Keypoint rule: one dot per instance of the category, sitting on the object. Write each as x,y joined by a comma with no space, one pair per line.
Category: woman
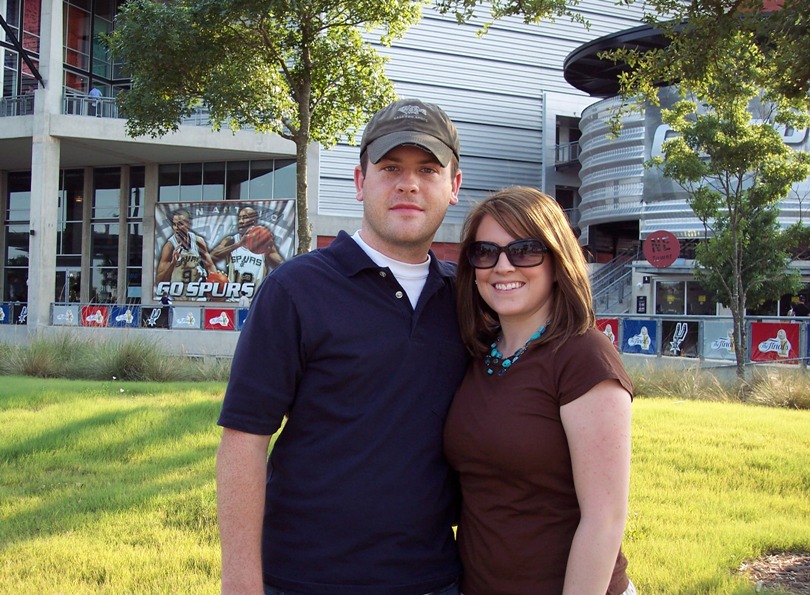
539,429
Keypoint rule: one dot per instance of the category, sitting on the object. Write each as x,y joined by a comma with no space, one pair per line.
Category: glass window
238,176
136,193
9,73
134,244
104,244
16,285
103,285
19,197
191,182
102,62
12,15
31,19
169,183
16,245
669,297
133,285
213,181
261,180
699,302
107,193
77,37
284,183
77,84
69,239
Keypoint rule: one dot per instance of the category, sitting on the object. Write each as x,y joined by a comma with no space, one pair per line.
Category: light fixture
79,198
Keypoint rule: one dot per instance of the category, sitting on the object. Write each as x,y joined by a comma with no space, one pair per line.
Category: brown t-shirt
505,437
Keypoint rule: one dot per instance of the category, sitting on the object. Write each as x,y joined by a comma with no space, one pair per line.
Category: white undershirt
411,277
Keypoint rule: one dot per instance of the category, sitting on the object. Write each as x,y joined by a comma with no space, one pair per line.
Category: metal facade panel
493,87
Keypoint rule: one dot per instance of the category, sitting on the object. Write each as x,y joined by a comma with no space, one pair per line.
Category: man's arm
241,477
225,247
166,263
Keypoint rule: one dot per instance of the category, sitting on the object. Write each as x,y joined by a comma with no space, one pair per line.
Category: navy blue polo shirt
360,499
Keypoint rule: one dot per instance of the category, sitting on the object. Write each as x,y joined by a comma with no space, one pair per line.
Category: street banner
219,319
214,251
67,315
775,342
125,316
5,314
94,315
679,338
19,313
718,340
155,316
610,328
639,336
186,317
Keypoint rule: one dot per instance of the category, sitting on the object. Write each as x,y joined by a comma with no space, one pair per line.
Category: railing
19,105
82,105
770,339
216,316
567,152
107,107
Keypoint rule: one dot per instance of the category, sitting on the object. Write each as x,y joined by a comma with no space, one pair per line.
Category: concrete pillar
45,171
151,189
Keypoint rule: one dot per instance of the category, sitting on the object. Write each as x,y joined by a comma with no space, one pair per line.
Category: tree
729,157
297,68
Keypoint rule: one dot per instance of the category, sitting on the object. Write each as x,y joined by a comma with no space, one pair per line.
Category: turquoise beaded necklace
496,358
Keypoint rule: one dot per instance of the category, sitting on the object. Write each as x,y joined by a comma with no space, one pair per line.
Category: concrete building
85,208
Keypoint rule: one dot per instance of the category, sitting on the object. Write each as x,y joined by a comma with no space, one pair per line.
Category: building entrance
68,285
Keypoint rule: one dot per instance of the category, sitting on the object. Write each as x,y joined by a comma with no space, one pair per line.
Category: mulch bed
790,571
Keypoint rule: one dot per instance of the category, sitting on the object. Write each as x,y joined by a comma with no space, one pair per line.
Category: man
184,257
800,308
244,265
357,345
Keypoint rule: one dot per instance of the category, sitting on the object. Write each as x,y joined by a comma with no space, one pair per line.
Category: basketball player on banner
184,258
249,253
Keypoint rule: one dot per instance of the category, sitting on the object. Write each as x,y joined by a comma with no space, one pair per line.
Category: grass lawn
104,491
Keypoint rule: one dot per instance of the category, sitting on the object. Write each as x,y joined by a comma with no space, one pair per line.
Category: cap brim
380,146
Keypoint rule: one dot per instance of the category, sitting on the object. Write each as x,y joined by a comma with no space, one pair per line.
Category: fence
772,340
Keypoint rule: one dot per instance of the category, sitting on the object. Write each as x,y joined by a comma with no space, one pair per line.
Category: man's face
180,226
246,219
405,197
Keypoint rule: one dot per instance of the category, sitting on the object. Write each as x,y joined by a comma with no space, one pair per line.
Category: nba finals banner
214,251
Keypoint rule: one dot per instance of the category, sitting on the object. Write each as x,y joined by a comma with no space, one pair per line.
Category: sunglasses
521,253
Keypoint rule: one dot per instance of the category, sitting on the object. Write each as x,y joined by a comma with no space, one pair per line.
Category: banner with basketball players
215,251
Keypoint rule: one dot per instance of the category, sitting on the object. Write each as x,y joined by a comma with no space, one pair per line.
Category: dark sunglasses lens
483,254
526,253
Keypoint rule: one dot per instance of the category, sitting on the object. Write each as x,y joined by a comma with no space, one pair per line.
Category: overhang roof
584,69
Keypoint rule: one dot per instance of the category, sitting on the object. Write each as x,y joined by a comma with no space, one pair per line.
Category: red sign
609,327
775,342
94,315
661,248
219,319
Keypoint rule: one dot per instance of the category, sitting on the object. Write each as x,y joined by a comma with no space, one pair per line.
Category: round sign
661,248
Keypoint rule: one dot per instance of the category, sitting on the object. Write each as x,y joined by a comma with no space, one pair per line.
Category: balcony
566,156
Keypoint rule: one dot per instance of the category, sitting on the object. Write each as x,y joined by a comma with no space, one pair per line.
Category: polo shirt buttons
399,295
383,274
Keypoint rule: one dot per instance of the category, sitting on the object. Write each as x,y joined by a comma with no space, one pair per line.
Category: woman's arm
597,426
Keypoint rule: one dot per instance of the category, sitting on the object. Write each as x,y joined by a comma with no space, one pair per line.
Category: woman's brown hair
526,213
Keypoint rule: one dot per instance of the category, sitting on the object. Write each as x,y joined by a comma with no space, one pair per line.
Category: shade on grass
103,491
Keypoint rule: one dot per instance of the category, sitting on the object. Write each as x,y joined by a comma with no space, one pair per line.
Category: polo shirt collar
352,259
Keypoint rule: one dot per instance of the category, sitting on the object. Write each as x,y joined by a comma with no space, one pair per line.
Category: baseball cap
411,122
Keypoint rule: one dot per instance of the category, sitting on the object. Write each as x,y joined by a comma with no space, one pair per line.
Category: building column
45,170
150,199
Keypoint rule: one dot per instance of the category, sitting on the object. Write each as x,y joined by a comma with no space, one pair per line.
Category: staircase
612,284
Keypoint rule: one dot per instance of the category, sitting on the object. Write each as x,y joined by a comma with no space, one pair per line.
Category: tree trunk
304,227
